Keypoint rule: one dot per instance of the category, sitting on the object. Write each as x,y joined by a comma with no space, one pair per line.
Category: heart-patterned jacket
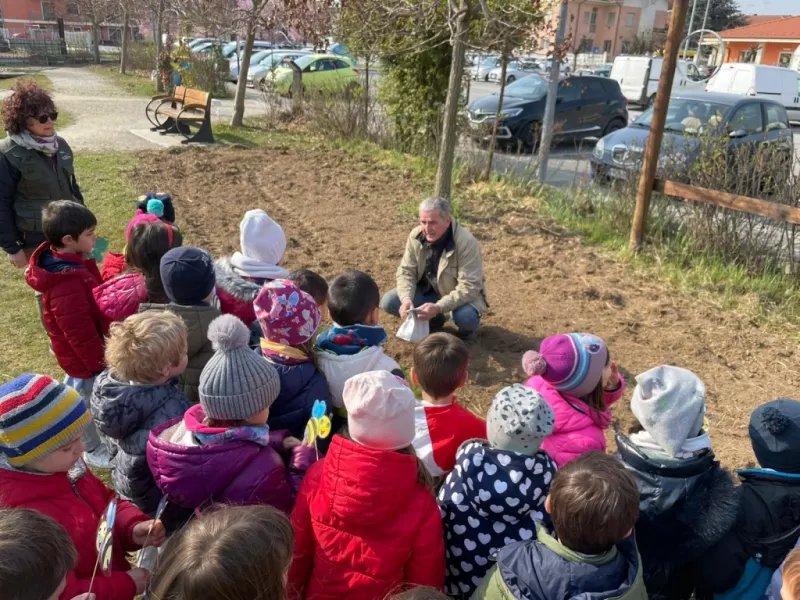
491,499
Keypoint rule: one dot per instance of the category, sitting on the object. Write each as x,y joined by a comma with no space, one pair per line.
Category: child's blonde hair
791,574
233,553
143,345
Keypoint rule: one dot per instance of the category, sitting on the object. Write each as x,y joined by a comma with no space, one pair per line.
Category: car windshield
687,116
532,87
304,61
228,49
270,60
488,62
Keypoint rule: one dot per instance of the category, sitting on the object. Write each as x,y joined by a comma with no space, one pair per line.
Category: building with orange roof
765,40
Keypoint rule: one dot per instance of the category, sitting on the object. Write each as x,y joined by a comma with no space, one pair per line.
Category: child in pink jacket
576,376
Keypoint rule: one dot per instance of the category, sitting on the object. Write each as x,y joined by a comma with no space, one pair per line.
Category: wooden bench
179,112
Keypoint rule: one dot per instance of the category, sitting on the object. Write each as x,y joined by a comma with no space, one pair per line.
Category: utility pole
700,37
653,148
552,94
691,24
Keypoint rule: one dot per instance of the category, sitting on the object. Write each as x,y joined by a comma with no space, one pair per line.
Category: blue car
747,123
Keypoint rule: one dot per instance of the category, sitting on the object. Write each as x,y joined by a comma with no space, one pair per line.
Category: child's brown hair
232,553
311,283
36,553
148,243
594,503
64,218
597,399
140,347
791,574
440,364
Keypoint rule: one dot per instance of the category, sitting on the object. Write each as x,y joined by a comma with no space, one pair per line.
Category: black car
586,107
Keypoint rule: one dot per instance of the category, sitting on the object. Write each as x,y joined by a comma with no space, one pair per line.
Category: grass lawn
134,83
41,80
111,196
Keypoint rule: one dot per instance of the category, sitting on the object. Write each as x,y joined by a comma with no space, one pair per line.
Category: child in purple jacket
222,450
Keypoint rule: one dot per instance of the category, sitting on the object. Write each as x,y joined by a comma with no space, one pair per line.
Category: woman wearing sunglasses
35,169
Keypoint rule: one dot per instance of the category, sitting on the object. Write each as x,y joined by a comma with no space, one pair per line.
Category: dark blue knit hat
187,275
775,435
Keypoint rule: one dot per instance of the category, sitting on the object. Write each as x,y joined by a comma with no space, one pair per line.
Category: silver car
480,72
516,69
259,74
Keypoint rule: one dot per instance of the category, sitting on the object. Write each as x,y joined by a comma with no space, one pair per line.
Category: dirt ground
341,212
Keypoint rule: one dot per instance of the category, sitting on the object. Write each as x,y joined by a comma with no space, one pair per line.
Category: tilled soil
340,212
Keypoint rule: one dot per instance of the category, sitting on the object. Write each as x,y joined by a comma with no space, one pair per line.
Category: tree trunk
241,87
159,44
297,87
126,21
96,40
497,118
366,95
444,172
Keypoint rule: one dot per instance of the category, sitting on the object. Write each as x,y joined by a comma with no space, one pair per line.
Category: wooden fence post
663,94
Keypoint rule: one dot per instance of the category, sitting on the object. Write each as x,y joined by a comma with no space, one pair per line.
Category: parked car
321,73
516,69
480,72
207,47
745,122
638,77
262,75
586,107
231,50
192,44
761,81
235,64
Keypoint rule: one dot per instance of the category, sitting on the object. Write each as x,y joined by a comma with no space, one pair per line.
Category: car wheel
530,137
613,125
511,79
486,79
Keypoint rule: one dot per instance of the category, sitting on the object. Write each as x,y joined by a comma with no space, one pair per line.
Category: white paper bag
413,329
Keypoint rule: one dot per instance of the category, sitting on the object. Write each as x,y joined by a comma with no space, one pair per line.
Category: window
586,46
340,64
747,118
48,11
72,8
593,21
569,91
607,46
587,16
785,59
592,89
776,117
545,44
630,19
612,18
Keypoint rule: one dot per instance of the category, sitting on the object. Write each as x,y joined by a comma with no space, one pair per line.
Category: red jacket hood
41,280
367,486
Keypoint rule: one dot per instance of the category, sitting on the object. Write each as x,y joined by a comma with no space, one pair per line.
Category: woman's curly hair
27,101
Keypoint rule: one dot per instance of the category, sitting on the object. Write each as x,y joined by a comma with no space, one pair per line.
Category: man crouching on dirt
441,273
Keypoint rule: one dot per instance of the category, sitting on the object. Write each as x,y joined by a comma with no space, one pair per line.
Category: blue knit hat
775,435
187,275
38,415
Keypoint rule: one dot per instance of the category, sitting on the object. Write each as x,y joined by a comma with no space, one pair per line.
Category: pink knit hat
572,363
380,410
139,218
286,313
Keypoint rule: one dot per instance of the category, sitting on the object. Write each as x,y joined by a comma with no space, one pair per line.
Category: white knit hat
261,238
380,410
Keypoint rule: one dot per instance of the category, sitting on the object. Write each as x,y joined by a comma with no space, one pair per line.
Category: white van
761,81
638,77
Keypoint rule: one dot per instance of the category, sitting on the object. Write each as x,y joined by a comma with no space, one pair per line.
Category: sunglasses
53,116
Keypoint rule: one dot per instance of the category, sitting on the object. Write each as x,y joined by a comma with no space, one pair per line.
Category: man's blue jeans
466,318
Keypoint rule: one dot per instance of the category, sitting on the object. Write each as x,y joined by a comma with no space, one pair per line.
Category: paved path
106,117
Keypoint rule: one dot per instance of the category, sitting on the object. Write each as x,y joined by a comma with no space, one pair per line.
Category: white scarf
688,449
252,267
45,145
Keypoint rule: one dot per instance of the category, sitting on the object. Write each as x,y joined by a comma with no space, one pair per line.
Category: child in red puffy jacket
41,422
365,520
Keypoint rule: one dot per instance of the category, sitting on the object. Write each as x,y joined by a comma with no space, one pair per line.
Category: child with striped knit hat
41,422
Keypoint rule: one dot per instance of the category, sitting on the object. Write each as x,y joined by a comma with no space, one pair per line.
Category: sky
766,7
